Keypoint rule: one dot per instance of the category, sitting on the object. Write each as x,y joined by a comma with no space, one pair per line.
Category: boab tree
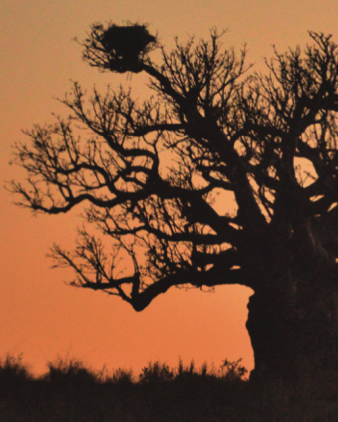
148,174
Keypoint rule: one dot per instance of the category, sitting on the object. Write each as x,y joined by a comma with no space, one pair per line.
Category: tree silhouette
149,174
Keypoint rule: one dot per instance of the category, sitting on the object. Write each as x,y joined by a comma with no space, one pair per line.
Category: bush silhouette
72,371
156,372
14,375
69,391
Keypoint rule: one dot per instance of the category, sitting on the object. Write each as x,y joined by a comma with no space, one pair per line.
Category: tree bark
293,326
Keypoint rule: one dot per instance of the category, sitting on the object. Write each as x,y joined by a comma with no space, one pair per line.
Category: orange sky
39,315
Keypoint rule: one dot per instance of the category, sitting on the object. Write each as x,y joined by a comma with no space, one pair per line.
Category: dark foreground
72,393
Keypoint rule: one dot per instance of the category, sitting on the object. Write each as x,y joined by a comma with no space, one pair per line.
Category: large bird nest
126,46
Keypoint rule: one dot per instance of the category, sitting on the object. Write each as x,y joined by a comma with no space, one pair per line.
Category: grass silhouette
69,391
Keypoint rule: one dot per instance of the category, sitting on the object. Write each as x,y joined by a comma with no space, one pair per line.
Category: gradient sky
40,316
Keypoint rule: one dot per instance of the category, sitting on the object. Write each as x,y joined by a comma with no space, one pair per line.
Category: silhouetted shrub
233,371
13,373
62,371
185,371
156,372
120,377
71,392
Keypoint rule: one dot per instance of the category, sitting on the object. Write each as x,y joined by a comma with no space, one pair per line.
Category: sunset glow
41,316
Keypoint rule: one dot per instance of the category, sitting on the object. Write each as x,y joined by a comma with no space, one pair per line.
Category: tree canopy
148,173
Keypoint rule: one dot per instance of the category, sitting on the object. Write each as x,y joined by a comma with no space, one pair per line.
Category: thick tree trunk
294,332
293,314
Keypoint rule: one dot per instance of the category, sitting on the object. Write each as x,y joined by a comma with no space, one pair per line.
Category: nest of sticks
126,46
